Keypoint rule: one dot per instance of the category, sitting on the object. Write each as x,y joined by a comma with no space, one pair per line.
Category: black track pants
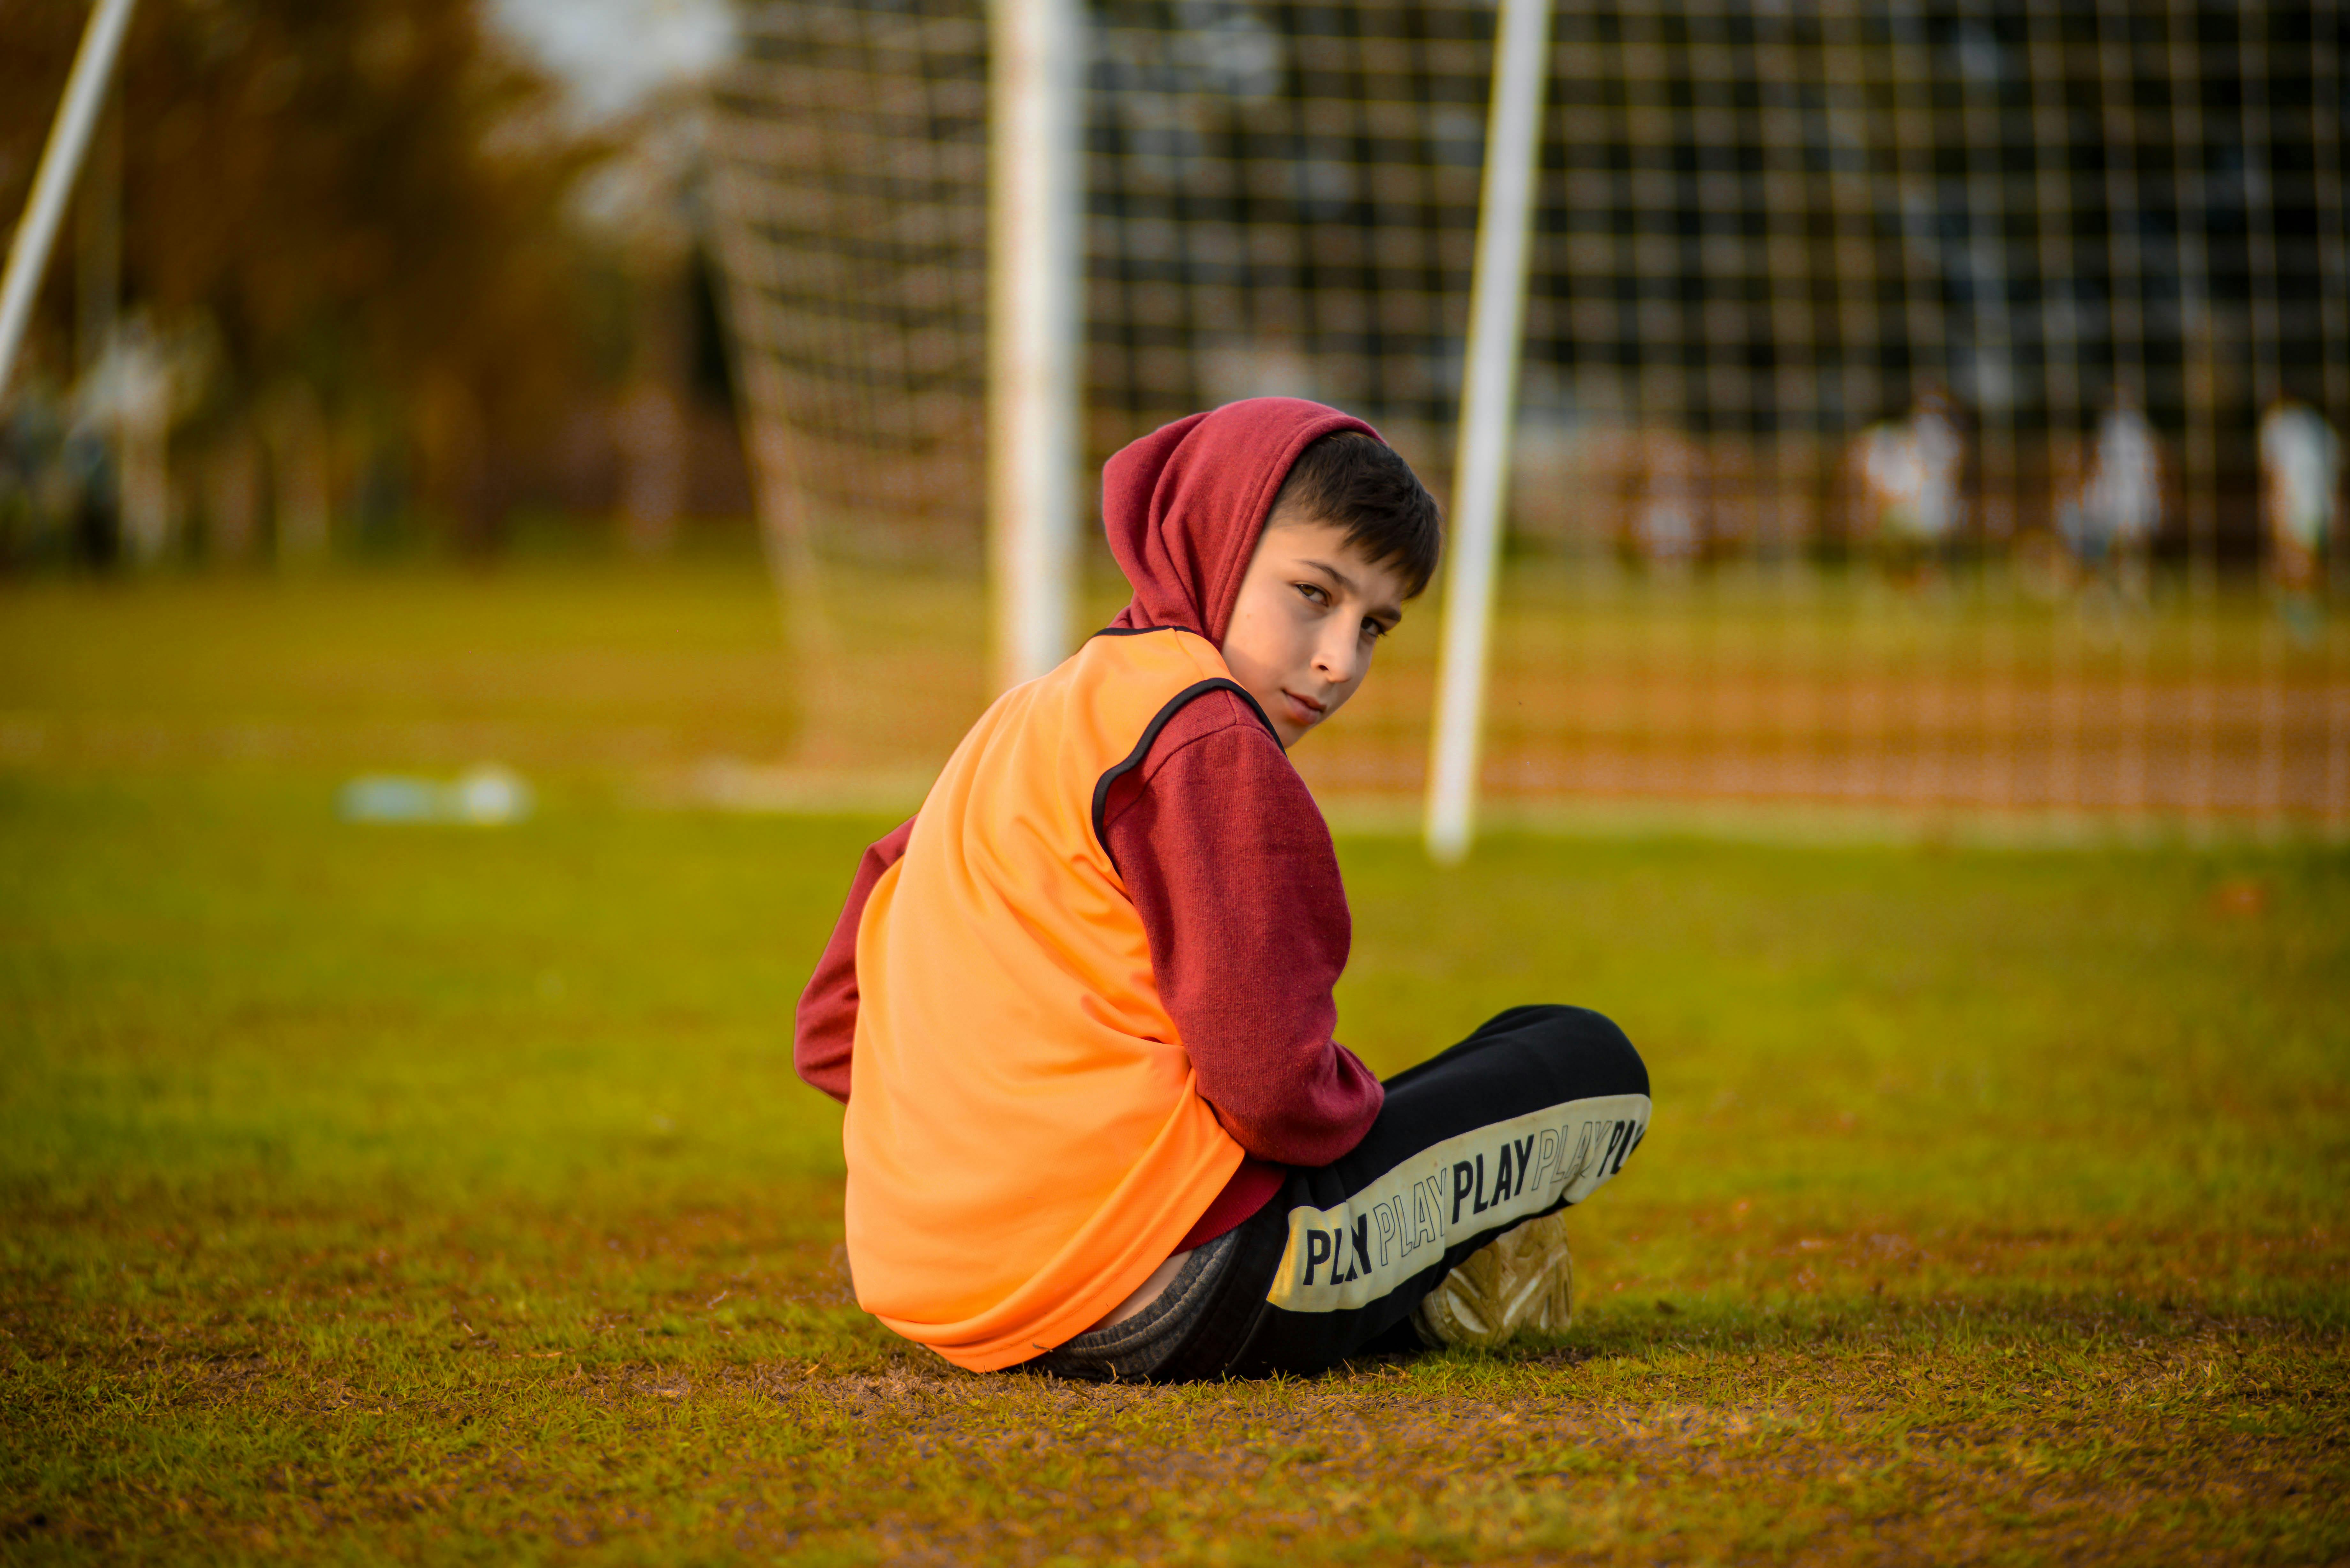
1531,1112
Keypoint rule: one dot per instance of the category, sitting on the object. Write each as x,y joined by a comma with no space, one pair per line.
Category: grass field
377,1193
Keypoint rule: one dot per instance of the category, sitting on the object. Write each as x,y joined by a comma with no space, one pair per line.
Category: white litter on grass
483,796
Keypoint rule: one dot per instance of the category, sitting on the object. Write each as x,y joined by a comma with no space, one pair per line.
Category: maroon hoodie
1223,849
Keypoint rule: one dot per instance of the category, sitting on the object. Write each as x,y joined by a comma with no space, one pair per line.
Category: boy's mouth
1303,709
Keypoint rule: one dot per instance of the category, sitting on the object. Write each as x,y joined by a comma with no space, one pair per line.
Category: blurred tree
357,207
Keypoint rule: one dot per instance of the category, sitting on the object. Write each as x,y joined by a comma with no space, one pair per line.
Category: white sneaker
1523,1279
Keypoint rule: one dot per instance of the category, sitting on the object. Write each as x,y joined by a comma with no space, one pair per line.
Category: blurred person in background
1906,485
1666,528
56,482
2108,520
2301,505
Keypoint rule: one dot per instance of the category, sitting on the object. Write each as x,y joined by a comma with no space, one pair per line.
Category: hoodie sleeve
1230,867
825,1028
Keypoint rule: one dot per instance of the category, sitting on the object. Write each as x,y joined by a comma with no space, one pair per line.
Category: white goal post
28,251
1488,408
1036,311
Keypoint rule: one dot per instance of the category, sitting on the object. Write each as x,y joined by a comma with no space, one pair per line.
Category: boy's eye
1314,592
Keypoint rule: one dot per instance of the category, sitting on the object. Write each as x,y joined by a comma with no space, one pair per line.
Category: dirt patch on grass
2223,1439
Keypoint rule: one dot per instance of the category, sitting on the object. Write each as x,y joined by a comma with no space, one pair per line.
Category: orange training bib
1025,1137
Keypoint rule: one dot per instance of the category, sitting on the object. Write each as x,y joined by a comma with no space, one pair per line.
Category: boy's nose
1334,661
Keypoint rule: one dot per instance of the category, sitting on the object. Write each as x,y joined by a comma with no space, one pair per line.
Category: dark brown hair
1352,482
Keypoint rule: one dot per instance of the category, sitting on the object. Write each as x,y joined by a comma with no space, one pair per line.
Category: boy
1079,1007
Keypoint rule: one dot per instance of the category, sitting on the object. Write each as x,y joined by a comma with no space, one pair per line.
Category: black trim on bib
1150,733
1143,630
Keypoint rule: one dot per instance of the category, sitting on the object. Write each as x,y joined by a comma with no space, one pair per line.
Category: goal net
1924,404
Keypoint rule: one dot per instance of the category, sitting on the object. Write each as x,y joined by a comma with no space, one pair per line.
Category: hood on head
1183,507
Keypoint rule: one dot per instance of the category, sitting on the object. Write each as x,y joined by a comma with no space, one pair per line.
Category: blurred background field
1847,706
1926,411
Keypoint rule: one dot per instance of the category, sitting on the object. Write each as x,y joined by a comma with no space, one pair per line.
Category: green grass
432,1193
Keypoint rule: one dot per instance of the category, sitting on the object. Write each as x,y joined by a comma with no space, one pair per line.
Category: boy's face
1311,609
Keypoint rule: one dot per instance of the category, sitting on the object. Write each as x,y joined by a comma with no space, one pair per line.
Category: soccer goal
1925,408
